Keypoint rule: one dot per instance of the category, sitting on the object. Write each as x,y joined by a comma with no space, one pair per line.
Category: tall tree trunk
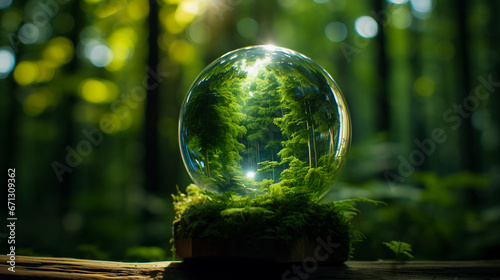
257,156
66,189
332,142
309,148
207,165
313,136
382,95
272,160
309,145
468,145
152,101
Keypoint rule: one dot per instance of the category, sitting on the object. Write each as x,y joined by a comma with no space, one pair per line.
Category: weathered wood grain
234,269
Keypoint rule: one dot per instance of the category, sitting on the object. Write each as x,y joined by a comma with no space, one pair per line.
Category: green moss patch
281,215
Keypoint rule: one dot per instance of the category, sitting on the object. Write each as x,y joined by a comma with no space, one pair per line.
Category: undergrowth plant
399,247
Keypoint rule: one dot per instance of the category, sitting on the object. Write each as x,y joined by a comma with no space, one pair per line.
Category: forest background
91,91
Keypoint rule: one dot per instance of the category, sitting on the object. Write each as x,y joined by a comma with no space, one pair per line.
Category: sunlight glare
250,174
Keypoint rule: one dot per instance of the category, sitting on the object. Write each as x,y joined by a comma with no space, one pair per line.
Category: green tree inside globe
261,117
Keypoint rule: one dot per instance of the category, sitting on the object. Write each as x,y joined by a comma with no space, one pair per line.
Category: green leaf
399,247
348,206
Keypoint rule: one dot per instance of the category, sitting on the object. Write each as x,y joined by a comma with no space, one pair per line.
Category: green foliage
214,118
439,190
182,201
349,208
431,212
41,119
278,121
399,247
145,254
92,252
282,214
315,180
244,211
268,167
261,109
295,174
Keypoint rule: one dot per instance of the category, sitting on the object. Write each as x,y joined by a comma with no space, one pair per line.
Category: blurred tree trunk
492,34
382,96
67,111
468,145
152,100
10,135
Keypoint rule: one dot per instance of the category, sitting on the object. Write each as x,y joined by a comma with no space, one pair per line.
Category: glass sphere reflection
260,116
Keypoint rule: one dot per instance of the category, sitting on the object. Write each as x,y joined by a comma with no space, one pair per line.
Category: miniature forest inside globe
260,116
264,133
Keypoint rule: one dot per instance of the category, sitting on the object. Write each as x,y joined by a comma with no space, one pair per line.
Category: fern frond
399,247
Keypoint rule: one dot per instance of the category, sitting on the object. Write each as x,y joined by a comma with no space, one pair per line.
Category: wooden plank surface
67,268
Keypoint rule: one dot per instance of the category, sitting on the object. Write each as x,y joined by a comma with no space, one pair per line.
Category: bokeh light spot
421,8
5,3
287,3
101,56
7,61
187,11
45,71
424,86
138,9
110,123
182,51
26,73
122,34
35,104
11,19
29,33
98,91
397,2
402,19
121,52
247,27
199,33
121,44
169,22
59,51
366,27
110,8
89,32
98,54
336,31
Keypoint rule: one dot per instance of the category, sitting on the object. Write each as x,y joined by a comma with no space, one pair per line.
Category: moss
280,215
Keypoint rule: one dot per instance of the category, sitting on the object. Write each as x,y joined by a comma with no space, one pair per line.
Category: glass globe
261,116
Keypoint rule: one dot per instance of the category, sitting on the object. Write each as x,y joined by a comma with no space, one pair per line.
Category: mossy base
323,250
282,225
